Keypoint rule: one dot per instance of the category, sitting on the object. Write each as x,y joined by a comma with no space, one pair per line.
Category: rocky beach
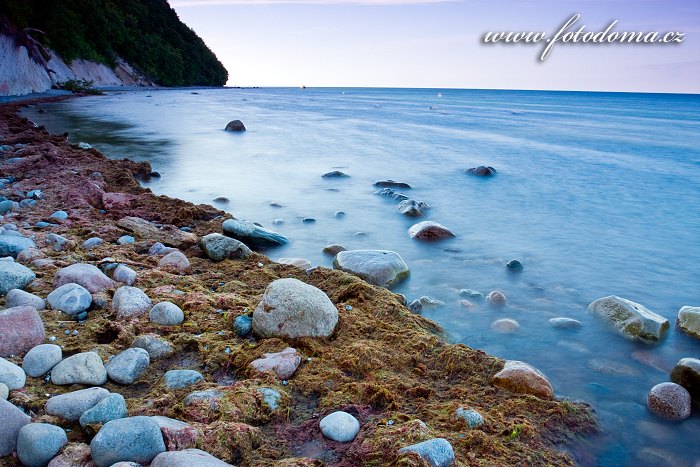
145,329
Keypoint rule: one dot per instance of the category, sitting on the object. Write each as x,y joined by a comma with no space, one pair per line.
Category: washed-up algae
390,368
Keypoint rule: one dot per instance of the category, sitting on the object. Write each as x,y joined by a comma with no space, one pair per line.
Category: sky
439,43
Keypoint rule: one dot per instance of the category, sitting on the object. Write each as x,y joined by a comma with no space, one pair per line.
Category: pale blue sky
434,43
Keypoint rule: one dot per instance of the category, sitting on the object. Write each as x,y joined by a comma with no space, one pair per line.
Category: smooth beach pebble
496,298
112,407
38,443
437,452
166,314
670,401
472,418
4,391
41,359
18,297
11,375
340,426
565,323
126,367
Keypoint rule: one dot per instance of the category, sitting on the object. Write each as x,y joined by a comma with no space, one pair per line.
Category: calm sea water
596,194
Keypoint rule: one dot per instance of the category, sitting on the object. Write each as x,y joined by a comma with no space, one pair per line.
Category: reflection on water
596,194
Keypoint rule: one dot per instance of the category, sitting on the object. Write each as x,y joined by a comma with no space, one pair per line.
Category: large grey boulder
437,452
13,419
379,267
22,329
187,458
290,308
18,297
219,247
126,367
12,245
72,405
38,443
630,319
41,359
71,299
14,276
689,320
130,302
132,439
11,375
82,368
252,235
87,275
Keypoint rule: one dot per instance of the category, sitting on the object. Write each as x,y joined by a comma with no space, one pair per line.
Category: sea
596,194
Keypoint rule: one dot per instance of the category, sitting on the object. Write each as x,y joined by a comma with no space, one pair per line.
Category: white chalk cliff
20,74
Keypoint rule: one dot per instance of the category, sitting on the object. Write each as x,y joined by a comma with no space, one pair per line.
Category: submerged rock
522,378
481,171
565,323
339,426
428,230
496,298
335,174
505,326
391,184
379,267
82,368
412,208
14,276
333,249
283,363
514,265
290,308
437,452
689,320
219,247
22,329
630,319
235,125
253,235
669,401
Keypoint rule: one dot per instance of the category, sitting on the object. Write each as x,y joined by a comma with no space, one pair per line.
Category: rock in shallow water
670,401
481,171
38,443
437,452
391,184
82,368
340,426
630,319
219,247
565,323
252,235
235,125
333,249
283,363
522,378
687,374
14,276
496,298
505,326
429,231
22,329
71,299
134,439
13,419
290,308
41,359
412,208
379,267
689,320
126,367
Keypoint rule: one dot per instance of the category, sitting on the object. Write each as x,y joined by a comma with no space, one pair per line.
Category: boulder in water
235,125
379,267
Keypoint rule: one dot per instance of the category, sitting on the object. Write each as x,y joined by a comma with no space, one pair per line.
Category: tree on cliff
146,33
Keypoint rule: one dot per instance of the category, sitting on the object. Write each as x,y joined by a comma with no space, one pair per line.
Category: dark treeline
146,33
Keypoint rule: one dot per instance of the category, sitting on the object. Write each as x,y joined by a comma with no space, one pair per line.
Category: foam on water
596,194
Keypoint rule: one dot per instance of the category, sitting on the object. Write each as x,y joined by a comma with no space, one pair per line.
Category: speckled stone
670,401
38,443
41,359
437,452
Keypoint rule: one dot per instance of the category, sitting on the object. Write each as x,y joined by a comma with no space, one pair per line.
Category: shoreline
383,363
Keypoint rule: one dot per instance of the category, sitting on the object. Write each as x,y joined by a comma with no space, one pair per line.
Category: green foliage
79,86
146,33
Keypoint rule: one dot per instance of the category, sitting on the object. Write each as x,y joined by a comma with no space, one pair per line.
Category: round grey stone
18,297
124,274
4,391
565,323
379,267
154,345
13,419
127,366
72,405
83,368
41,359
166,314
437,452
472,418
71,299
340,426
38,443
219,247
112,407
14,276
291,308
187,458
130,302
133,439
12,375
178,379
